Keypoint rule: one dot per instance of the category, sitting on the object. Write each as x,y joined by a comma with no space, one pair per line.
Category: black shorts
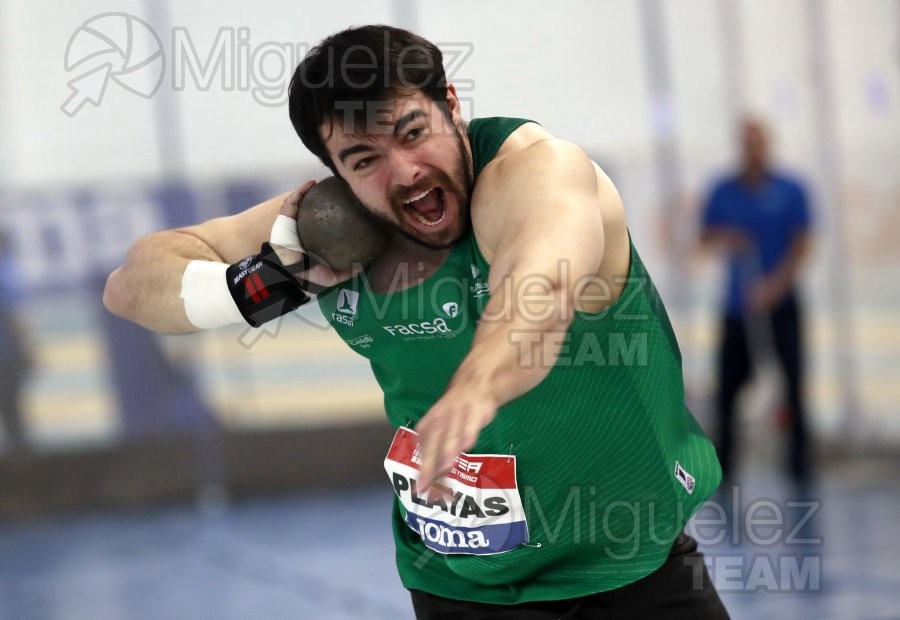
679,589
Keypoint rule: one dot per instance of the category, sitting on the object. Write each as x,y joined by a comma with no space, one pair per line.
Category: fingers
451,426
430,469
442,441
286,255
345,274
318,273
322,274
291,205
428,466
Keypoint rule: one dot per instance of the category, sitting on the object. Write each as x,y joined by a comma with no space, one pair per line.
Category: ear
453,105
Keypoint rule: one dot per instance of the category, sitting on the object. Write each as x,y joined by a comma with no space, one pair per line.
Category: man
509,318
15,354
761,220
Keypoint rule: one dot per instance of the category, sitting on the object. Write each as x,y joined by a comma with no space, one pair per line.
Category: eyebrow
406,119
402,122
353,150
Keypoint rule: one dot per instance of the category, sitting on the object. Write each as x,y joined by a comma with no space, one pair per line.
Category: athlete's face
411,167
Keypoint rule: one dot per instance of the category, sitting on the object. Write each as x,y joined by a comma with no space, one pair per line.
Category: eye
414,134
363,163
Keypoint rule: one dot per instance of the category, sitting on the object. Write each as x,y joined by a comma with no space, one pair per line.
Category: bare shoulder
529,157
533,155
525,136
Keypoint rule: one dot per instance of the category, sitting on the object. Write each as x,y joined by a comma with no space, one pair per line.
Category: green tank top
610,462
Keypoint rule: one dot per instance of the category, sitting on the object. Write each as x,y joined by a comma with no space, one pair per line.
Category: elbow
115,294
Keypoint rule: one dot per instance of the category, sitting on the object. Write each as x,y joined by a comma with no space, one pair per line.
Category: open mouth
428,208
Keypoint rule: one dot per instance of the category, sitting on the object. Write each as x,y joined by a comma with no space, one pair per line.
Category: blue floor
329,556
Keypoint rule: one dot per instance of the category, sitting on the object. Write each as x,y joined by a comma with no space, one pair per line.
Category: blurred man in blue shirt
15,360
761,219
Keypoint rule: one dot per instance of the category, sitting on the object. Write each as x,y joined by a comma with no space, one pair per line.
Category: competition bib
484,514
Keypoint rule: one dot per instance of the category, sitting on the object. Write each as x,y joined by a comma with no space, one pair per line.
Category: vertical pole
829,169
6,94
167,115
667,165
205,436
732,51
405,14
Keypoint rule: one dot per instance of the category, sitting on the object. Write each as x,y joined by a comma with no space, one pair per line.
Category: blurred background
239,471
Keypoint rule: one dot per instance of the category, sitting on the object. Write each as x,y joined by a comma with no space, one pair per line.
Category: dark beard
466,176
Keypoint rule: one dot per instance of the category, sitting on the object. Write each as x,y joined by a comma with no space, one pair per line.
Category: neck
402,248
404,264
753,175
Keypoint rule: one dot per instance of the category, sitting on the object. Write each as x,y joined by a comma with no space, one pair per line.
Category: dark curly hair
351,69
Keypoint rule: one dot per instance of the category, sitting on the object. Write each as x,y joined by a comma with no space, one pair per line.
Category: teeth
419,197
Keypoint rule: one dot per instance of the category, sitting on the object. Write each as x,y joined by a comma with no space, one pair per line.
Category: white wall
577,66
42,145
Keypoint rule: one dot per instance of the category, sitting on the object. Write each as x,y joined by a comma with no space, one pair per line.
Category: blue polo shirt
10,296
770,214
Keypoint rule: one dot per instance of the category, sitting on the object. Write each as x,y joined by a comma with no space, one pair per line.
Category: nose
405,170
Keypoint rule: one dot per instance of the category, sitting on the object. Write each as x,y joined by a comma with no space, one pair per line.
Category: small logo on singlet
347,301
451,309
686,480
246,262
363,342
478,289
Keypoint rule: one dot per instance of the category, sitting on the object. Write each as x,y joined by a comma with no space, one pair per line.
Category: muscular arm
147,288
546,197
552,238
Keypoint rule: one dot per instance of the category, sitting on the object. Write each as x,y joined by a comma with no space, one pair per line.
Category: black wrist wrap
264,288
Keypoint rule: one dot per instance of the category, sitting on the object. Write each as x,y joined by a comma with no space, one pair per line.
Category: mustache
401,194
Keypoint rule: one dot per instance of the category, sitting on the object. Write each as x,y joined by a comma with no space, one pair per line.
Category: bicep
552,222
237,236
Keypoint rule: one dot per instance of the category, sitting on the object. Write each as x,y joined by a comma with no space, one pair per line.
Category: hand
318,273
451,426
291,205
764,295
729,239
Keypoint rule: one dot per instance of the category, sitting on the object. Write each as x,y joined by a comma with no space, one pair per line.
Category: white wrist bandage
285,233
207,300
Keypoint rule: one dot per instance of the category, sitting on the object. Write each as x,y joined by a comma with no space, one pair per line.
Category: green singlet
610,461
